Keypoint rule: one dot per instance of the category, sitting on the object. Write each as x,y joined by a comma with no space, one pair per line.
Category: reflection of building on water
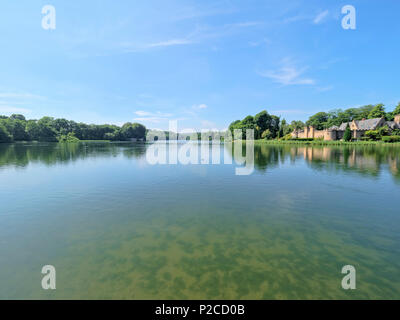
366,160
358,129
394,164
352,158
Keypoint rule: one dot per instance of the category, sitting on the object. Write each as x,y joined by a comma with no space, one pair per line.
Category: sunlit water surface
116,227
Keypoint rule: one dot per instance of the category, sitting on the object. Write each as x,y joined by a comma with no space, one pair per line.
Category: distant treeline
268,126
17,128
323,120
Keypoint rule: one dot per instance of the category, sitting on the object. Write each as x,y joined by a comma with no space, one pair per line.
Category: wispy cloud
10,109
152,117
200,106
264,41
288,75
324,89
300,17
321,17
13,95
289,111
198,35
168,43
10,101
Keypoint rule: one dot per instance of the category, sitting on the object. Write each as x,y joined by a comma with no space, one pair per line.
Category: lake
116,227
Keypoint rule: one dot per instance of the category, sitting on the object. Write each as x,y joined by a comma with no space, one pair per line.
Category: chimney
397,119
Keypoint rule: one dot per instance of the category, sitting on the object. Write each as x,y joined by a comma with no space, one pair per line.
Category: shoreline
329,143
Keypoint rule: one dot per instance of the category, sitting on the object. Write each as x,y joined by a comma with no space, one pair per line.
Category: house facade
358,129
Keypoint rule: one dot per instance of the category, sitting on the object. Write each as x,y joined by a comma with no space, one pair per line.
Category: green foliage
391,139
347,134
4,134
373,135
323,120
70,137
296,125
267,134
287,137
17,117
303,139
133,131
377,112
17,128
318,120
260,124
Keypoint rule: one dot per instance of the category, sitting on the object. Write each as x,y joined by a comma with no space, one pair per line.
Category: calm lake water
116,227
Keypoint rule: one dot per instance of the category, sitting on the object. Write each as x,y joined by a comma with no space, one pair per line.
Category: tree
4,134
363,112
263,120
17,117
32,129
133,131
390,115
17,128
46,131
297,125
378,111
347,134
266,134
318,120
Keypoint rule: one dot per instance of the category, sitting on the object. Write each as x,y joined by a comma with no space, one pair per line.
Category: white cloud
264,41
288,75
324,89
200,107
198,35
152,117
10,109
289,112
321,16
168,43
10,95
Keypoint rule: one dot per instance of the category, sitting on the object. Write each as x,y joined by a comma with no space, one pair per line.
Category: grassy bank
328,143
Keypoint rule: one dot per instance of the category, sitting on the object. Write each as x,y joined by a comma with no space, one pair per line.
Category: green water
115,227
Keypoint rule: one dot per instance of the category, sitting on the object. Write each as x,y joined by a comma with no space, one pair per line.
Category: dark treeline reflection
21,154
364,160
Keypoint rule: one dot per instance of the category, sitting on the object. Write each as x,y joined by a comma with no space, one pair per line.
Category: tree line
17,128
266,126
269,127
324,120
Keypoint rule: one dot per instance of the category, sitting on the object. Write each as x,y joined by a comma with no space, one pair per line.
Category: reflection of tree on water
364,160
21,154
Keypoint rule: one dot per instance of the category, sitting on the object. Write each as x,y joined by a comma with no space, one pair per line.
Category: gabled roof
369,124
392,125
343,126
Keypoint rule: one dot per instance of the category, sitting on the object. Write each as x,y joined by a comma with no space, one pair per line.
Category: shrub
303,139
287,137
373,135
391,139
347,134
70,137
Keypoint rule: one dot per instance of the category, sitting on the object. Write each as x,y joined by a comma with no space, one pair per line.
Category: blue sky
205,63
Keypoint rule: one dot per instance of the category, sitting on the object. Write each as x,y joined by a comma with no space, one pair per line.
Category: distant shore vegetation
266,127
48,129
271,127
